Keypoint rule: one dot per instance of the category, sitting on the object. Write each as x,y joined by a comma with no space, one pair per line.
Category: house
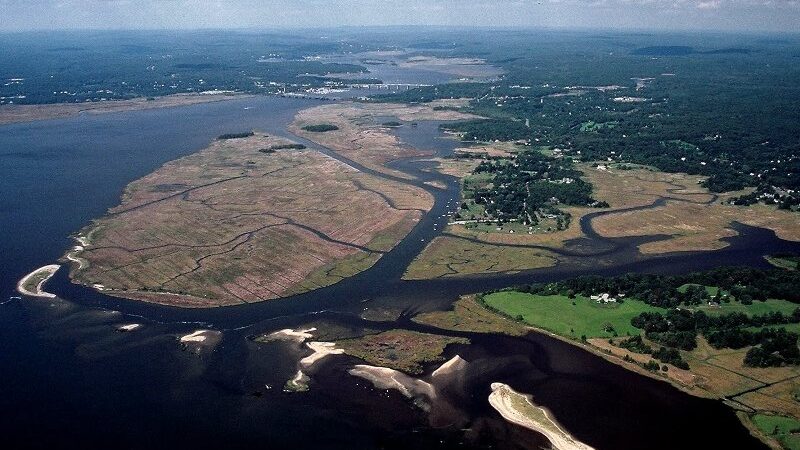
604,298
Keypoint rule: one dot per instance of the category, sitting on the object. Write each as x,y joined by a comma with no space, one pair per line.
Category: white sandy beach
454,364
196,336
517,408
386,378
289,334
321,350
45,272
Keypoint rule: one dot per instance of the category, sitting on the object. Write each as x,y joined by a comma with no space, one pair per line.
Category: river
69,377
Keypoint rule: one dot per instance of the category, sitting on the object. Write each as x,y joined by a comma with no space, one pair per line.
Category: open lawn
785,430
567,317
768,306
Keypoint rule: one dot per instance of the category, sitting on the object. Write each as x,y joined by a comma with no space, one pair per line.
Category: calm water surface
68,377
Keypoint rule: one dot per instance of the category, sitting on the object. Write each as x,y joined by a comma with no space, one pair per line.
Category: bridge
388,86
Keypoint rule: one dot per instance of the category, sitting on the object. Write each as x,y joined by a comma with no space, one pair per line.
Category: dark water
69,377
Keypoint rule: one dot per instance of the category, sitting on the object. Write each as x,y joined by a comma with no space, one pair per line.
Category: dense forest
679,325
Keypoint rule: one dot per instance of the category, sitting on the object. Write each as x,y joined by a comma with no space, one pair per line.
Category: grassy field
757,307
401,350
711,290
785,430
713,373
572,318
788,262
451,256
469,315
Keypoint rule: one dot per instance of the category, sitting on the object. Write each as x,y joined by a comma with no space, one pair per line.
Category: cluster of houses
607,298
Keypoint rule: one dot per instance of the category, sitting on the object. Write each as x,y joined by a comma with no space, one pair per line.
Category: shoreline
320,350
743,417
10,114
509,404
45,272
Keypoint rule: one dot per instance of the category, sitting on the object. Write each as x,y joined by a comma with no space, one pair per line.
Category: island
254,217
32,283
519,409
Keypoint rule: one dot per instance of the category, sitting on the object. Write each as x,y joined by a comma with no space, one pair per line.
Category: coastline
742,415
518,408
42,274
31,113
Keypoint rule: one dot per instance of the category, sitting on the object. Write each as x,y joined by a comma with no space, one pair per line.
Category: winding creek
70,376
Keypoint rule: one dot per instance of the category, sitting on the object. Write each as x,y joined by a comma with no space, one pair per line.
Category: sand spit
517,408
386,378
454,365
31,284
197,336
29,113
297,384
200,340
321,350
289,334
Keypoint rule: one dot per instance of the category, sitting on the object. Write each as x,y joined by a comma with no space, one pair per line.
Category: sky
722,15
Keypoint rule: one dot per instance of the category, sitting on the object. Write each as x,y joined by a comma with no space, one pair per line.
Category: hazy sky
743,15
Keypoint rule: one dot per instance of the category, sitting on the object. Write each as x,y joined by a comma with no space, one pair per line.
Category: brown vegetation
470,316
360,137
692,216
230,224
29,113
451,255
402,350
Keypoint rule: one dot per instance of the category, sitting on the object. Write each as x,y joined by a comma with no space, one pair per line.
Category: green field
757,307
558,314
784,262
782,429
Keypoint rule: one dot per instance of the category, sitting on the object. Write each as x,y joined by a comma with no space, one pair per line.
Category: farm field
243,221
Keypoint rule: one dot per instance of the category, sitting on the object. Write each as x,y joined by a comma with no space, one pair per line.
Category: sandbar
517,408
31,284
